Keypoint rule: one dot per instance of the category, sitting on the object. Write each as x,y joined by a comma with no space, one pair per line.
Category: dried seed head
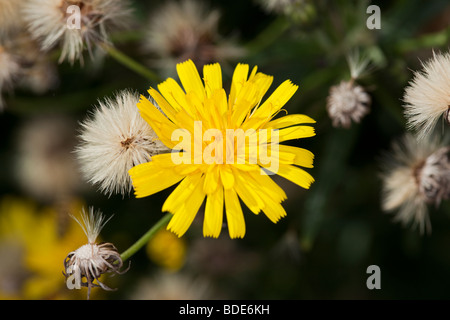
433,177
427,96
415,174
187,29
86,264
347,102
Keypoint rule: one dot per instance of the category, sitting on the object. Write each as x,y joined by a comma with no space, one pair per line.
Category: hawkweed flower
74,24
229,161
415,174
91,260
427,97
348,102
186,29
113,140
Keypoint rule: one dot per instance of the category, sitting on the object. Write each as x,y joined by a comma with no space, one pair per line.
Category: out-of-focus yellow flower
167,250
44,240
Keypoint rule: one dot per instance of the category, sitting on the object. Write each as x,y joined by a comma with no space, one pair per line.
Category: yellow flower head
167,250
222,149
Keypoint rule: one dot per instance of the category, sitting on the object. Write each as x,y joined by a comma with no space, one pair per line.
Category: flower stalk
130,63
142,241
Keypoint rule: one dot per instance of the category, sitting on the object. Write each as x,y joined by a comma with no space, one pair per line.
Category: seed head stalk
130,63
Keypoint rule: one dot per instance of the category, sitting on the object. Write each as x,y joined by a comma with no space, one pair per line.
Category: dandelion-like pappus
349,102
74,24
426,98
91,260
416,174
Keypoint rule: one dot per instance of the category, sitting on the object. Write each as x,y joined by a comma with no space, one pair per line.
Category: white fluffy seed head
347,103
427,97
51,22
415,174
115,139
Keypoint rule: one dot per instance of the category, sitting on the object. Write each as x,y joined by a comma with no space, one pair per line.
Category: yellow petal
173,93
162,126
296,132
277,100
239,78
235,217
273,210
227,177
267,186
248,195
149,178
190,79
181,193
211,180
186,212
249,96
212,224
289,120
295,175
301,157
212,74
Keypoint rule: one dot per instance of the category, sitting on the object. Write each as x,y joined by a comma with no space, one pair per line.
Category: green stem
268,35
131,64
146,237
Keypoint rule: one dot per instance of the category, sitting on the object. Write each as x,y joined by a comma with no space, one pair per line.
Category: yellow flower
38,234
228,147
167,250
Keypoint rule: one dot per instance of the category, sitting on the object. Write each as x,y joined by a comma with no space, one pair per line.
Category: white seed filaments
115,139
86,264
416,174
433,177
55,23
348,102
427,96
